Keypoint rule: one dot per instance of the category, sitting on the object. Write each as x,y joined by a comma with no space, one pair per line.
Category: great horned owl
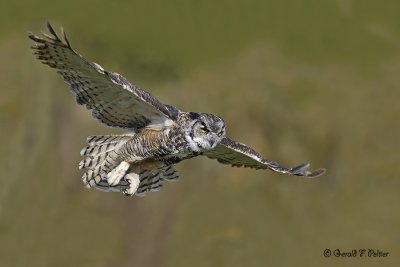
159,135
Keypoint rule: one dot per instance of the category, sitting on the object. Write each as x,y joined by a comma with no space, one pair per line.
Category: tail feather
104,159
100,157
105,139
97,149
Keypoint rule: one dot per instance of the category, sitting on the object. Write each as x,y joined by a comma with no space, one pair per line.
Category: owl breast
152,149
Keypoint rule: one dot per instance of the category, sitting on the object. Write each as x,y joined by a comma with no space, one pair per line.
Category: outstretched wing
113,100
152,180
237,154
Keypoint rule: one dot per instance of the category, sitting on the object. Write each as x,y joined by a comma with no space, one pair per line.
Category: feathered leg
115,176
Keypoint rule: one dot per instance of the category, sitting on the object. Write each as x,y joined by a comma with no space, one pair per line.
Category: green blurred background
314,81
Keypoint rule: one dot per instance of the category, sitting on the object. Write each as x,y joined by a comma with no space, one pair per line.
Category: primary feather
113,100
237,154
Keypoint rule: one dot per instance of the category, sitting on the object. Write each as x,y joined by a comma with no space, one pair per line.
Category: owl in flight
159,136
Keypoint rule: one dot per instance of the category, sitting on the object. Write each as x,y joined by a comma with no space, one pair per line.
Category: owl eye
203,129
220,133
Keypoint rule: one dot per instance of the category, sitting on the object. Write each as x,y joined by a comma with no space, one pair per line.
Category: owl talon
134,181
115,176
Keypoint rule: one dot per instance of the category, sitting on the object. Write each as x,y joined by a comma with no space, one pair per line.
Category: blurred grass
298,80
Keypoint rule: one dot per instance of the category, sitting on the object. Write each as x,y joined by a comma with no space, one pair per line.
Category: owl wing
152,180
237,154
112,99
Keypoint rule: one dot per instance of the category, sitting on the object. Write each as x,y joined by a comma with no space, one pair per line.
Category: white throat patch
192,144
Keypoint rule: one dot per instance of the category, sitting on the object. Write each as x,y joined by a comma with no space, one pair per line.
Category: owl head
204,131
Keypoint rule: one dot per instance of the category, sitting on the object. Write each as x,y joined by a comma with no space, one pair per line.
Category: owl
158,136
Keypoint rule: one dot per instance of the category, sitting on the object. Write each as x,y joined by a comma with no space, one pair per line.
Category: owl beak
212,142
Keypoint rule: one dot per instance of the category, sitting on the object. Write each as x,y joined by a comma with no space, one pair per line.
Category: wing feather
238,154
152,180
112,99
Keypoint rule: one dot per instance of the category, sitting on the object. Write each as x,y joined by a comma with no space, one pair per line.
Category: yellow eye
203,130
220,134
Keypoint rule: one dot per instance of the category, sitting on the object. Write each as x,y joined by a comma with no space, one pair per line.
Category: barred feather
152,180
105,139
238,154
100,158
112,99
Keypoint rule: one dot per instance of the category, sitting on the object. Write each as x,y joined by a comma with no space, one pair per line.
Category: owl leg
134,181
115,176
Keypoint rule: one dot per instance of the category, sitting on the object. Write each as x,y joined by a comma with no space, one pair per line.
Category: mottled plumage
159,135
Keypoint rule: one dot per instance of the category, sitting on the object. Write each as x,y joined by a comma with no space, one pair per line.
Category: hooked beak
213,142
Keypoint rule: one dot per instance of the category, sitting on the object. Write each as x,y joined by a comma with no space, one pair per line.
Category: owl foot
134,181
115,176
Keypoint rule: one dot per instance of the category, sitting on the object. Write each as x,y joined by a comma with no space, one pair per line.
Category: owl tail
100,158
